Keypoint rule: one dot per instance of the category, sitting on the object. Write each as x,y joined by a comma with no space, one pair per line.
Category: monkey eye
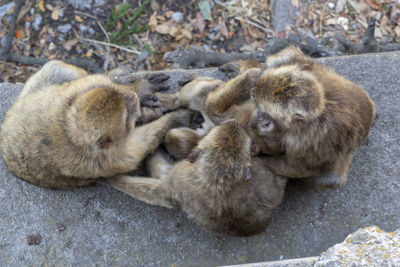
264,122
298,117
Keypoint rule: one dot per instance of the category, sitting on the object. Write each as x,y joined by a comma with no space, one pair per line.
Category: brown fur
220,186
67,128
322,117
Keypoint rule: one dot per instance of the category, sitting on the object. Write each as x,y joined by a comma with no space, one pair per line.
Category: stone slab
99,226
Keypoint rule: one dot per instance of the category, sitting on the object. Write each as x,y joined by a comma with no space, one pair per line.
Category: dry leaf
41,6
55,14
153,19
199,22
49,7
295,3
373,4
173,31
187,34
89,53
163,29
222,27
68,45
168,14
78,19
18,34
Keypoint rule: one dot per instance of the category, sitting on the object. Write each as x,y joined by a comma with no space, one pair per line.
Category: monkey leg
52,73
159,164
143,188
288,168
231,92
179,142
339,177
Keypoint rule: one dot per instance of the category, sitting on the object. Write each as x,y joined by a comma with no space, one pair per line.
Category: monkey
306,119
322,118
220,186
68,128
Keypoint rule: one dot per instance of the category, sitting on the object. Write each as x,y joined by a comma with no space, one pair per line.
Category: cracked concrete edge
299,262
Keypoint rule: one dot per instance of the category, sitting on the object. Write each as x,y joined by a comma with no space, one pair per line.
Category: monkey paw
184,117
231,69
157,78
253,75
329,181
187,79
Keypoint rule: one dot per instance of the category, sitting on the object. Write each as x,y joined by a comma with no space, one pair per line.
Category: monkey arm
145,189
231,92
145,139
288,168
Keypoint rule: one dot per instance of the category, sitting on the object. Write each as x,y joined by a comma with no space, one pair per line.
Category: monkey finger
230,69
150,101
157,78
160,87
187,79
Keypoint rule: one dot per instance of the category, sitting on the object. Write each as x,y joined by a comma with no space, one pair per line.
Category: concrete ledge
100,226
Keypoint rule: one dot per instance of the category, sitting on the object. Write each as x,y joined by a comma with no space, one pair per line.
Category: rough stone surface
367,247
282,13
99,226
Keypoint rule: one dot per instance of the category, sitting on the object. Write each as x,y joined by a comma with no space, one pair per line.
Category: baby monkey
220,186
67,128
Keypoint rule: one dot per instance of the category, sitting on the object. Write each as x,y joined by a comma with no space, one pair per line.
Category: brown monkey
68,127
219,186
322,118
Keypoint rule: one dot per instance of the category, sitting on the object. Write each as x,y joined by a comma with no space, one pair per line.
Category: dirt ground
138,33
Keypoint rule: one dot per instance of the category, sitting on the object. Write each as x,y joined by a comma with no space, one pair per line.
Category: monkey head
224,154
101,117
288,97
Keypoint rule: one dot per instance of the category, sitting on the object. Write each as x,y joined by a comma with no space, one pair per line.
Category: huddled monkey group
293,118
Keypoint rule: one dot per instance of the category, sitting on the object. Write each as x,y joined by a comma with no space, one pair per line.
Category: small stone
331,5
34,239
61,227
91,31
64,28
36,22
4,9
177,16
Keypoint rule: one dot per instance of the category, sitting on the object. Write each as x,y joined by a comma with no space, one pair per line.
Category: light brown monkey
67,128
322,117
219,186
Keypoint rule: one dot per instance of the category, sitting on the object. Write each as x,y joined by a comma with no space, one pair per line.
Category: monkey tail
145,189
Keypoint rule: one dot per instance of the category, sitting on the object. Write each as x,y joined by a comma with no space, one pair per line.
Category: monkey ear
298,117
194,155
305,67
104,142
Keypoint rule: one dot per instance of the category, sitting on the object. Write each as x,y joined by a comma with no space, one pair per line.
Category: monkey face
102,116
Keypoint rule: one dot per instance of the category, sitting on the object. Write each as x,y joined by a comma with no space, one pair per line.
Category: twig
80,62
107,56
112,45
254,24
4,52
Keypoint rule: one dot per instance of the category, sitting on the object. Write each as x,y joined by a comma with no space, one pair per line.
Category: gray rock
367,247
85,4
177,16
36,22
282,14
64,28
104,227
4,9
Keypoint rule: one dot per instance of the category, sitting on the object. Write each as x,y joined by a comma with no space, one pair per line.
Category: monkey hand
253,75
148,114
187,79
231,69
183,117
